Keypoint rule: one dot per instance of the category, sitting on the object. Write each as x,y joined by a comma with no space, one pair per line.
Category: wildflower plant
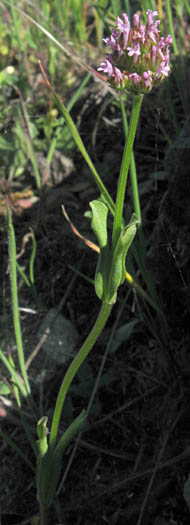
139,61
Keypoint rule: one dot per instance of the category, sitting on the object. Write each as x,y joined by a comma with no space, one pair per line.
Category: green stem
133,173
135,192
141,254
137,102
14,293
13,374
16,26
23,275
171,26
32,259
33,161
43,514
101,320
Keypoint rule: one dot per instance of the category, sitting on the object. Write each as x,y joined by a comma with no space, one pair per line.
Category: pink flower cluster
140,57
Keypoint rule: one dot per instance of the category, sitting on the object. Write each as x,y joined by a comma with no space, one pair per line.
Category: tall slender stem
101,320
171,26
133,172
137,102
15,307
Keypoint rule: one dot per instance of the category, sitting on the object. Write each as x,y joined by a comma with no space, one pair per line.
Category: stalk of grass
78,15
80,145
33,162
171,26
15,308
23,274
32,259
31,281
180,15
28,141
160,9
13,374
62,20
78,92
187,6
15,387
70,105
51,150
116,7
31,267
16,449
99,25
67,7
52,51
16,22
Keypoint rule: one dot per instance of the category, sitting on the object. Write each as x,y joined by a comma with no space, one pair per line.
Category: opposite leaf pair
111,270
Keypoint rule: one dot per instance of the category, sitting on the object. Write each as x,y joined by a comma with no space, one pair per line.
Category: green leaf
43,460
69,434
49,460
4,389
128,235
99,221
110,271
42,432
99,227
118,270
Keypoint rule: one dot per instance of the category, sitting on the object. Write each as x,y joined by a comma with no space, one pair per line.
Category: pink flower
118,75
107,66
124,28
162,70
153,54
151,15
152,32
110,41
135,78
147,79
136,20
168,40
134,51
140,57
142,33
167,57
